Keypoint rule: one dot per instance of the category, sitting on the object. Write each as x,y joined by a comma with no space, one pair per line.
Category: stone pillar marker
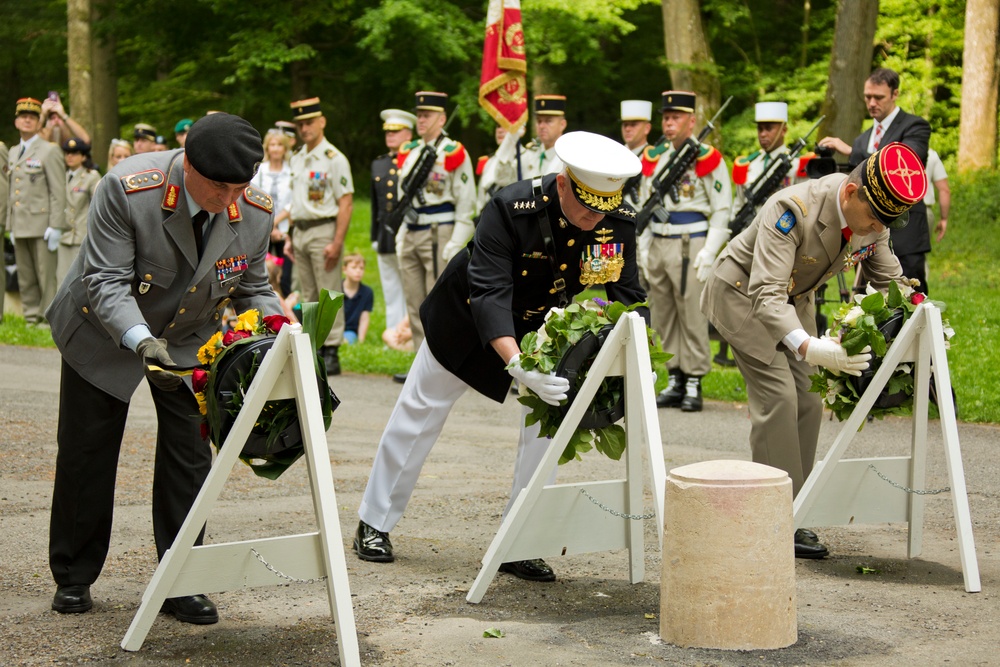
728,579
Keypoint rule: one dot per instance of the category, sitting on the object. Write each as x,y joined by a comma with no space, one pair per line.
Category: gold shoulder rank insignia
800,204
259,199
143,180
523,205
330,153
626,212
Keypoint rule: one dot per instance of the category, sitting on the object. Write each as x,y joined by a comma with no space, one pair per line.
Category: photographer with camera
912,243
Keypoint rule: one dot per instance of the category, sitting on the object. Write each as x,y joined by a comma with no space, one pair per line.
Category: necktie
767,160
197,223
21,154
878,135
541,161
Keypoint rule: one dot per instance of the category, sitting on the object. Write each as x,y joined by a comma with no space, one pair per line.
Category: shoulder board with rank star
626,212
481,164
650,156
803,161
454,156
330,153
233,212
708,159
143,180
524,205
259,199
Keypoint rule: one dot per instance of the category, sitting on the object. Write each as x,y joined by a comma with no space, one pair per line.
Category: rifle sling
558,283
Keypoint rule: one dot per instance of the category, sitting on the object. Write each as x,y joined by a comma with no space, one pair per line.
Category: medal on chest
852,259
602,262
317,185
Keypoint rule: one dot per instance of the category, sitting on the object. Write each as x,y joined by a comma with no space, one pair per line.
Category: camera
824,164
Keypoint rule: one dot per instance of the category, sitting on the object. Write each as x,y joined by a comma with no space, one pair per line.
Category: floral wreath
542,351
856,325
276,417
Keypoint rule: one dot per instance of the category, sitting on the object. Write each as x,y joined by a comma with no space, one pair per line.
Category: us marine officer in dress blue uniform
174,238
538,243
760,296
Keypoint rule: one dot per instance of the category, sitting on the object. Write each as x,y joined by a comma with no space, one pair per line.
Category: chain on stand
634,517
919,492
281,574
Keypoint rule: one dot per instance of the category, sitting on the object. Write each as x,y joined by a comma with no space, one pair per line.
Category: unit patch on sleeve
786,222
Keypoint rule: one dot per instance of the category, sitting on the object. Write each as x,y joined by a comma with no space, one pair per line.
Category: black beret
224,148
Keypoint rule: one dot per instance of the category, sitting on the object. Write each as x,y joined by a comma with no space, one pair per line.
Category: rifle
413,185
666,181
631,188
767,183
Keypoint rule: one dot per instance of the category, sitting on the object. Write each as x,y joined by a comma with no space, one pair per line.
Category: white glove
549,387
706,256
831,354
52,235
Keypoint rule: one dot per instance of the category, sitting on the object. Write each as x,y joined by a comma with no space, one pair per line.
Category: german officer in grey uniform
36,210
533,249
81,183
760,297
175,237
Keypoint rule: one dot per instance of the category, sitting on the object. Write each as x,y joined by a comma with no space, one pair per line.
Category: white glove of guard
706,256
52,235
831,354
549,387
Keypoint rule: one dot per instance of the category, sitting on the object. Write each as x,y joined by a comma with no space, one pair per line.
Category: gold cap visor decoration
893,180
598,168
397,119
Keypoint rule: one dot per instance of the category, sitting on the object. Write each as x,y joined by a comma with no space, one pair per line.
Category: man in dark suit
144,294
526,257
911,243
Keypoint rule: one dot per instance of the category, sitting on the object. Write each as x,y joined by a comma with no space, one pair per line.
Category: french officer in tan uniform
4,189
81,184
760,297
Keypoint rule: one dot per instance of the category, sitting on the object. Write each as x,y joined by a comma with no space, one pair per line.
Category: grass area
964,275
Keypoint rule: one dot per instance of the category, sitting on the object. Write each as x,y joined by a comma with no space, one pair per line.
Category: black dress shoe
72,599
692,395
672,396
531,570
723,360
399,377
331,357
196,609
807,545
373,545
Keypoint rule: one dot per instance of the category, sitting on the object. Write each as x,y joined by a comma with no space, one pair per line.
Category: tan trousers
784,415
678,318
308,247
416,270
36,276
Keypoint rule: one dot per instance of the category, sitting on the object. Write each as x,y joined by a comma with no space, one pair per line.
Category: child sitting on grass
359,299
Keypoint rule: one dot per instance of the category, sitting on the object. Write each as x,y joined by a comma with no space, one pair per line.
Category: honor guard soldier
696,227
174,238
538,243
81,184
398,128
438,222
36,209
760,296
550,123
322,201
636,119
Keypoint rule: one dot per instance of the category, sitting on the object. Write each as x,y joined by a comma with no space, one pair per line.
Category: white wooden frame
556,520
287,371
840,492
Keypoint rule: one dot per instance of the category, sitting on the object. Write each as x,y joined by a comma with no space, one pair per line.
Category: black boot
692,395
722,358
671,396
331,357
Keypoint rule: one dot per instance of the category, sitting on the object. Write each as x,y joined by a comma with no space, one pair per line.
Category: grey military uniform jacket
139,265
763,283
37,196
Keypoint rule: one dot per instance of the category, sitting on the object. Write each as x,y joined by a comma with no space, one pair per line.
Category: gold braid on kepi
894,180
603,201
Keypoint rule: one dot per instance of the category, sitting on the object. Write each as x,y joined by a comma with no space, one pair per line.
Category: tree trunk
104,86
79,57
689,58
850,65
977,139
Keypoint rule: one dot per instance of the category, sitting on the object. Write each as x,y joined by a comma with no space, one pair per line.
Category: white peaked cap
637,110
598,168
397,119
771,112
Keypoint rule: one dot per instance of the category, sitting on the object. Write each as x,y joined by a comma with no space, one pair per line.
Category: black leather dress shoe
807,545
531,570
672,396
72,599
331,357
692,395
399,377
373,545
196,609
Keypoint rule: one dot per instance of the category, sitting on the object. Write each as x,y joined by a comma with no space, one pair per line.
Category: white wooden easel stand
558,520
287,371
841,492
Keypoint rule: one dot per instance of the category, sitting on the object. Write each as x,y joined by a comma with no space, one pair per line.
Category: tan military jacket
37,197
80,188
763,283
320,177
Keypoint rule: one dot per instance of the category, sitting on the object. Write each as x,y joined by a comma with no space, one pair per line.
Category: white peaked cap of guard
603,165
398,117
771,112
637,110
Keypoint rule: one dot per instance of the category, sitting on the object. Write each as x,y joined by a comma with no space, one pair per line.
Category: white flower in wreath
834,387
853,315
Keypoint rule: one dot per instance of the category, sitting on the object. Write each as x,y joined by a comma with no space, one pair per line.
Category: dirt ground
413,611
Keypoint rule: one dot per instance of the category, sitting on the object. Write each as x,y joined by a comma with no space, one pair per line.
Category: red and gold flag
503,89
